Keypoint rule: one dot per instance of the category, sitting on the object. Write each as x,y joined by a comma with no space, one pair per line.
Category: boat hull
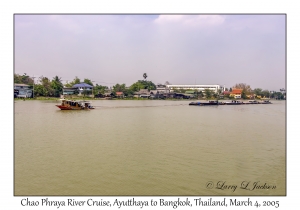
202,104
226,103
72,108
233,103
74,105
67,107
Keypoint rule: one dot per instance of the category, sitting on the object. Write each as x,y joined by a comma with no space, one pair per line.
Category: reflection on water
149,148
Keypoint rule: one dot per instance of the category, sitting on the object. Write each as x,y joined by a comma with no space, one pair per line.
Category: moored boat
234,102
74,105
209,103
252,102
265,102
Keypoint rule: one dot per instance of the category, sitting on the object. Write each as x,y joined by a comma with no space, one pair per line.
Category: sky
180,49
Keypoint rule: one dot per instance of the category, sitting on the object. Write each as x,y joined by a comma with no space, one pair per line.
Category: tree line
247,90
54,87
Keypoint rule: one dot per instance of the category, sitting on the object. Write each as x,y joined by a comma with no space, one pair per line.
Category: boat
74,105
252,102
265,102
234,102
209,103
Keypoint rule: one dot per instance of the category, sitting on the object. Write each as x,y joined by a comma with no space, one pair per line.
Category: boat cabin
253,102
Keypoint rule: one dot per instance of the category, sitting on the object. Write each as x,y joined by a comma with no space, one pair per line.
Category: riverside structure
214,88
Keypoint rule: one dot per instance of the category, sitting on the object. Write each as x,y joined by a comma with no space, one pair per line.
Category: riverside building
22,91
214,88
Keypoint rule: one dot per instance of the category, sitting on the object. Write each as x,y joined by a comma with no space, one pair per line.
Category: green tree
247,89
141,84
200,94
265,93
17,79
40,90
257,91
145,76
119,88
216,95
244,95
74,82
278,95
57,86
24,79
99,89
88,81
45,82
208,93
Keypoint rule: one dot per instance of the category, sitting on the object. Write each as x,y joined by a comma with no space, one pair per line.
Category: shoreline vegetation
46,89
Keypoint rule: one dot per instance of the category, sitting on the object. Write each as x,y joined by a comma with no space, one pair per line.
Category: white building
214,88
22,91
162,88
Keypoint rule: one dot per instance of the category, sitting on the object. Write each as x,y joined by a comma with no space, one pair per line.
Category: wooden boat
74,105
209,103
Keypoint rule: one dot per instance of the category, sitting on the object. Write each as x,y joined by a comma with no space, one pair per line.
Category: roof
143,91
119,93
226,92
236,91
82,85
24,85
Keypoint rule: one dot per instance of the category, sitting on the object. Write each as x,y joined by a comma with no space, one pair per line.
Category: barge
233,102
209,103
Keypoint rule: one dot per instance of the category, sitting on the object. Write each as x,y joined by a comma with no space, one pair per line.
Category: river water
144,147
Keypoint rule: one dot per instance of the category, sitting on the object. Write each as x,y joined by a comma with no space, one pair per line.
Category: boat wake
129,107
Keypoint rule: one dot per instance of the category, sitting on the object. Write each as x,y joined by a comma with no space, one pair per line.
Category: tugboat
74,105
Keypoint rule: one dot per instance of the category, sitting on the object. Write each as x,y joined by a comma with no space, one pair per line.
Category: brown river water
149,147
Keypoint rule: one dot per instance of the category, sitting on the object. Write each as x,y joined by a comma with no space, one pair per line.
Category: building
69,91
120,94
143,93
23,91
162,88
214,88
236,93
83,87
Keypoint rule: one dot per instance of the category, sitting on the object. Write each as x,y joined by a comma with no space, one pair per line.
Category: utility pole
33,87
93,89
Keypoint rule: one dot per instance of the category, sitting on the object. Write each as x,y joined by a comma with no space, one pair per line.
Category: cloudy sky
181,49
